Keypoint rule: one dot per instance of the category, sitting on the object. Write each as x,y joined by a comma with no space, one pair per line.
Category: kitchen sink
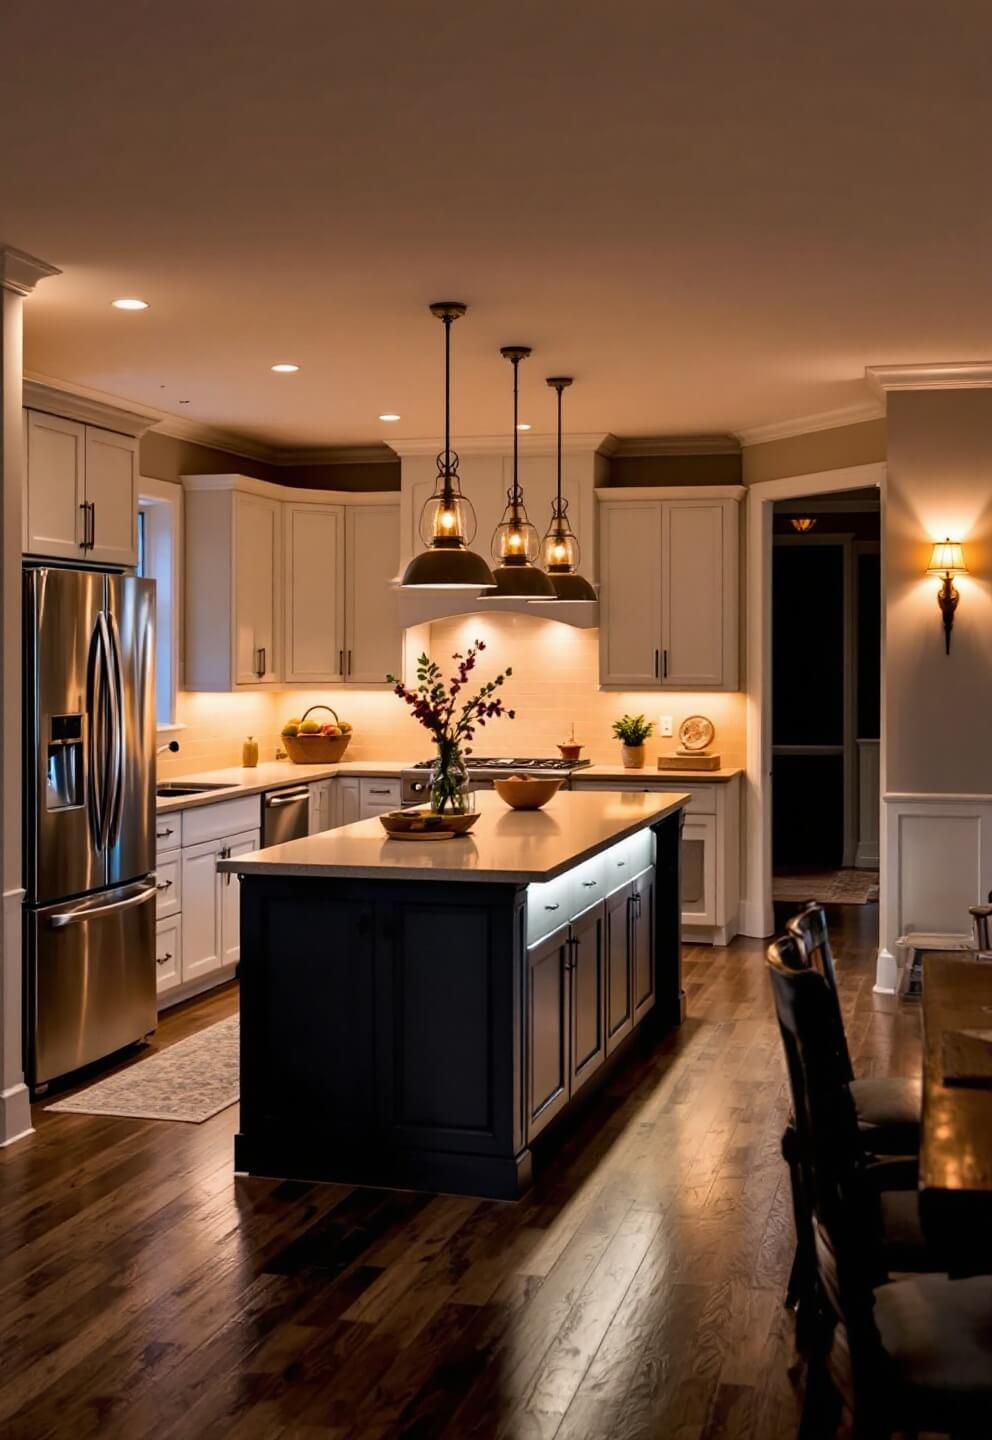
177,787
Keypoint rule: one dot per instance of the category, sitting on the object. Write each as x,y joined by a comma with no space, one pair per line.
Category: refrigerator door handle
93,912
110,724
118,738
94,706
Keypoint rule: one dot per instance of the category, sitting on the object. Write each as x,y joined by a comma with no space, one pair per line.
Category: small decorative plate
696,732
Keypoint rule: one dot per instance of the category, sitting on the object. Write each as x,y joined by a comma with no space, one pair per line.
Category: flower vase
450,793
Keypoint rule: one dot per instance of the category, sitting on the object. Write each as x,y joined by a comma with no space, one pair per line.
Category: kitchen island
428,1014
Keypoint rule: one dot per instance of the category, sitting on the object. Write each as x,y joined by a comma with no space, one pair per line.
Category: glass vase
450,793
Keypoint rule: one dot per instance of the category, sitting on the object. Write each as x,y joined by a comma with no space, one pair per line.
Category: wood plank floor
637,1292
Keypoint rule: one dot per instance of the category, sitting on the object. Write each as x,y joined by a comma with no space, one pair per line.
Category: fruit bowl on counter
526,792
310,742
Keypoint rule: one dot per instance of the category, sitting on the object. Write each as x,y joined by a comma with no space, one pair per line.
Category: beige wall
555,681
862,444
675,469
163,457
939,483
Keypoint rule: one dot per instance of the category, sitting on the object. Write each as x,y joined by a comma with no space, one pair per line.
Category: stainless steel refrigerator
89,809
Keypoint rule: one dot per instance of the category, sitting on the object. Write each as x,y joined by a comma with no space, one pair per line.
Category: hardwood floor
636,1292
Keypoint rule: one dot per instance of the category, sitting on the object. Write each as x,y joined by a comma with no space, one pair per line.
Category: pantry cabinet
81,492
668,592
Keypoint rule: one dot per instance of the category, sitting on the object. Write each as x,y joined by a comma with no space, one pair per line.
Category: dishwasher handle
272,802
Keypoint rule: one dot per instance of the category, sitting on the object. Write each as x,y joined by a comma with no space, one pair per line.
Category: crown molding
649,445
378,453
951,375
196,432
20,272
596,442
90,407
810,424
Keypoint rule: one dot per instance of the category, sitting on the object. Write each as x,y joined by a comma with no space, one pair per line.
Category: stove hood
486,474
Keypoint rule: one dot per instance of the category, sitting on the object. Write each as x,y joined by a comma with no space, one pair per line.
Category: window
159,516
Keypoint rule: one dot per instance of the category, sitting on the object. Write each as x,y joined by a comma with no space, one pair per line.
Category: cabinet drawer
588,884
627,859
168,884
548,906
702,798
168,955
378,795
227,817
168,833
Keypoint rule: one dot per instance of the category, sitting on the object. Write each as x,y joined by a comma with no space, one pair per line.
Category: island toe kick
439,1035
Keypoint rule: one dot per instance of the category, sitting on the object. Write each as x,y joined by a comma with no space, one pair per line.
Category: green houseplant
632,731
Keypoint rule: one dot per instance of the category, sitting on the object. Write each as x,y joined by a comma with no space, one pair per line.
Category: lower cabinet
643,973
548,1029
348,805
211,924
619,971
168,955
321,806
587,969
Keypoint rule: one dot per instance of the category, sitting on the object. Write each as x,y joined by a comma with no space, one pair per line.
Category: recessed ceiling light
389,419
129,304
285,368
522,426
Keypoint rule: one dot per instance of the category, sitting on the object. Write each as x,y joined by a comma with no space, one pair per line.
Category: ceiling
713,215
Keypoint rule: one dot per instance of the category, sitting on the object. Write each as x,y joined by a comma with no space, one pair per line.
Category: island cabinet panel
642,944
548,1036
619,992
588,971
445,982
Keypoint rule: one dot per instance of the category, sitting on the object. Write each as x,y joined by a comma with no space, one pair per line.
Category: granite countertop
651,772
268,775
508,846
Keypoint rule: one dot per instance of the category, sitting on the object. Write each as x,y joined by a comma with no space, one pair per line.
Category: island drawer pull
164,834
163,959
589,884
555,906
384,791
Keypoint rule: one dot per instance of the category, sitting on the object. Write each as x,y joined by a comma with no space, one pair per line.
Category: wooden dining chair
888,1107
918,1353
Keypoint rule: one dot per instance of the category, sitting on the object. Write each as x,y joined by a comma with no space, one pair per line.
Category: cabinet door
547,1030
168,955
373,639
201,917
56,486
694,595
314,590
588,1007
257,568
699,870
377,796
642,947
230,904
321,806
619,996
630,594
348,801
112,495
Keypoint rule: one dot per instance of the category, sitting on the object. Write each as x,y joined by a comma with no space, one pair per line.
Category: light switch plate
664,724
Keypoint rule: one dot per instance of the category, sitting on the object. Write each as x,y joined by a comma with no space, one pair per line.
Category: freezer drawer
90,979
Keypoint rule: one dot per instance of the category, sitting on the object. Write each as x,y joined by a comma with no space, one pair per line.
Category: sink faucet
173,745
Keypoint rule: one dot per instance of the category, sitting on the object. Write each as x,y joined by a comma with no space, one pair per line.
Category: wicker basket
316,749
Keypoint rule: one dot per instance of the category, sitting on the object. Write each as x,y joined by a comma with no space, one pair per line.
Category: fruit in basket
345,727
291,728
309,727
331,731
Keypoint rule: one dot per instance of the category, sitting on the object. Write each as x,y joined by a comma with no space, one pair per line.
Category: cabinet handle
555,906
348,671
589,884
571,945
86,525
657,662
373,791
340,662
164,834
164,885
163,959
92,523
664,664
260,666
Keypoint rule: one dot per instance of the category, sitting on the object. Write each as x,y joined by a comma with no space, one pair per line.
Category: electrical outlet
664,724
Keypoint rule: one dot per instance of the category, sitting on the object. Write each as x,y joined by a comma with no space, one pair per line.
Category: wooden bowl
413,822
526,792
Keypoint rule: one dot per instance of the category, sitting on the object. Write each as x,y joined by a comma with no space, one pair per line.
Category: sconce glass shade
947,558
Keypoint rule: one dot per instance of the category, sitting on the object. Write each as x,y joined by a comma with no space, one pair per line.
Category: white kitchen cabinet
210,915
377,796
81,500
168,955
373,640
314,547
112,497
321,806
347,800
699,870
230,899
668,593
234,570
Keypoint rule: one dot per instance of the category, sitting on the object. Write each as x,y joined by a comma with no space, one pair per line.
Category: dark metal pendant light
515,541
447,521
560,548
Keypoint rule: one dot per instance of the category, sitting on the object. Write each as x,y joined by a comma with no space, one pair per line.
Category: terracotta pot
632,756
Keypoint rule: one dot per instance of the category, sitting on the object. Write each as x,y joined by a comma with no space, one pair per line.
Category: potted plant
451,721
632,731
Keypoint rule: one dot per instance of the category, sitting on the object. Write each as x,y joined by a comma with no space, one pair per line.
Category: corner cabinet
668,590
285,587
81,493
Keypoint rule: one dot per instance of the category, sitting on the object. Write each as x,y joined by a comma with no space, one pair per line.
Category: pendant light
515,541
447,521
560,548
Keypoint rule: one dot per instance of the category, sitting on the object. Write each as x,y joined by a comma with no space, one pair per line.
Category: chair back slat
810,928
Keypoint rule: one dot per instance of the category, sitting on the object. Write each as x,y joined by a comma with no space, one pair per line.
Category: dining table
956,1128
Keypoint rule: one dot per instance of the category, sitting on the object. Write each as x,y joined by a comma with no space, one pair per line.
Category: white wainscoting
866,855
938,861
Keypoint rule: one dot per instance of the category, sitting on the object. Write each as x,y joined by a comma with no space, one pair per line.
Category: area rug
191,1080
829,887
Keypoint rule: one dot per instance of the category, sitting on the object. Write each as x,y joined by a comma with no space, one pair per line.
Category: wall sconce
803,524
947,560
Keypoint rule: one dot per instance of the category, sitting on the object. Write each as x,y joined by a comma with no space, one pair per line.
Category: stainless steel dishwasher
285,815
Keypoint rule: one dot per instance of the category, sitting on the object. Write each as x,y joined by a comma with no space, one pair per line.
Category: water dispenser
65,787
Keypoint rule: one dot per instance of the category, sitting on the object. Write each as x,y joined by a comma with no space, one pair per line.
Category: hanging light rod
515,541
447,521
560,548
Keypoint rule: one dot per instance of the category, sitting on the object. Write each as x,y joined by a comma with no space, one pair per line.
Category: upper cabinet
668,591
81,496
295,591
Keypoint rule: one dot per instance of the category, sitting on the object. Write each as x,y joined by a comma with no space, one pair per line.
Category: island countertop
505,846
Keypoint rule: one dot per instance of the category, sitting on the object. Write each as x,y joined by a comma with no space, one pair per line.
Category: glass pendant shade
560,548
516,543
447,521
515,540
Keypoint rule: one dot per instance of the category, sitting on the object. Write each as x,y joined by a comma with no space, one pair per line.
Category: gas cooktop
499,762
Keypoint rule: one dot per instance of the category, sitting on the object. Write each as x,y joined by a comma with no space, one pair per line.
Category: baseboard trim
15,1115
